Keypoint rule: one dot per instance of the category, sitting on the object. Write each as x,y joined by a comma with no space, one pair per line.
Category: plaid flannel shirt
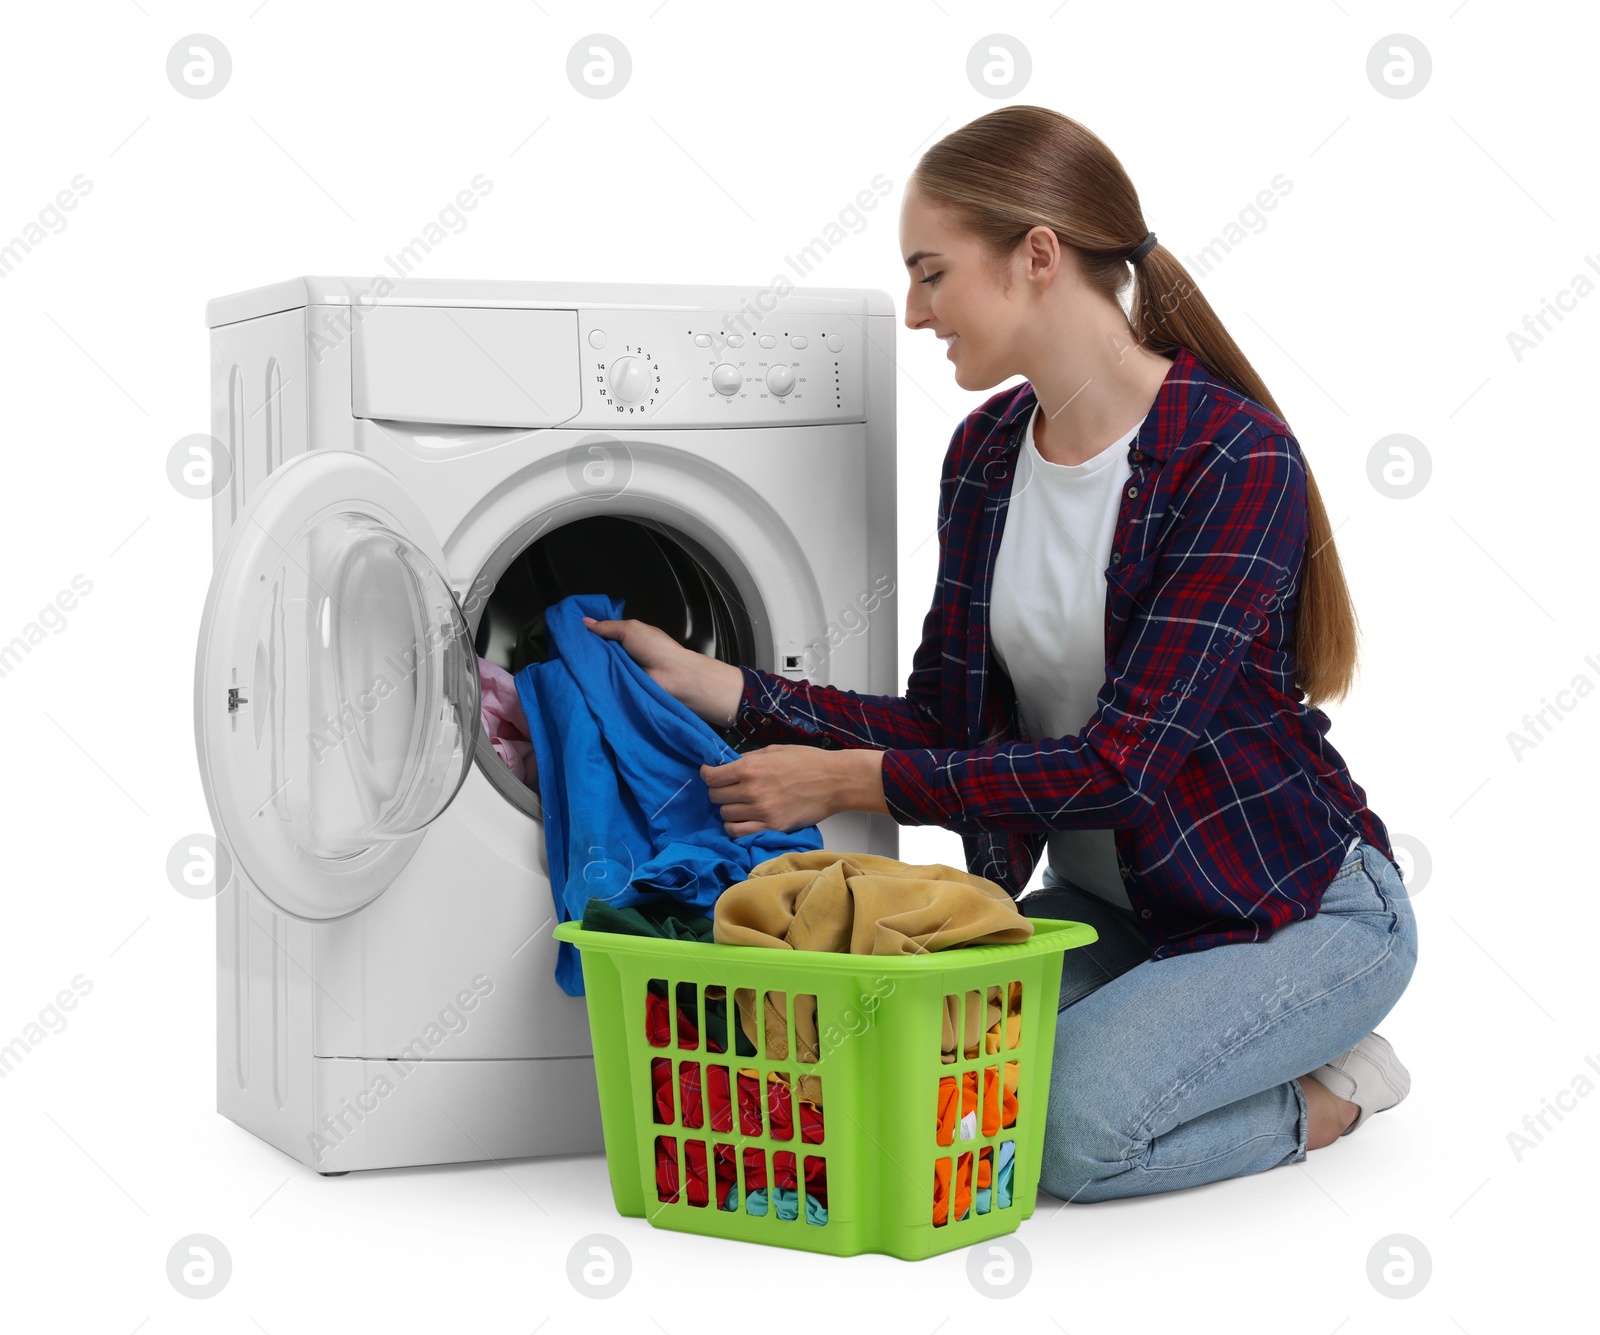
1231,811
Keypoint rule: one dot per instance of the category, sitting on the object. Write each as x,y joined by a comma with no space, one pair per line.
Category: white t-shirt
1047,607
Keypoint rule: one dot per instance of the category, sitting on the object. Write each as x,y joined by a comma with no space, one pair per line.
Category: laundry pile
714,1099
627,817
870,905
713,1104
999,1108
861,904
847,903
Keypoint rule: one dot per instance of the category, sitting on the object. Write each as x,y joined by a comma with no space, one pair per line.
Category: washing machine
409,473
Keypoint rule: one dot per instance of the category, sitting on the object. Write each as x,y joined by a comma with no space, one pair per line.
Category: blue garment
627,817
1005,1172
1004,1176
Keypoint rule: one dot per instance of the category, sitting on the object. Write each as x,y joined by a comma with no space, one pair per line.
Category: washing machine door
336,687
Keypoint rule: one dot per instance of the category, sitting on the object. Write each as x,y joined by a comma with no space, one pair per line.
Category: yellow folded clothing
863,904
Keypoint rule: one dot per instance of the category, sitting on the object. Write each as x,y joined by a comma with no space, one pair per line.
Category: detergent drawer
465,365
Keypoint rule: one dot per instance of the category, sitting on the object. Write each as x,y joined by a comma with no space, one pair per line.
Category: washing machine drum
660,576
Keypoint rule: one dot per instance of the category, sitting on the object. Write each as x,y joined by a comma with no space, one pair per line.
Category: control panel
691,369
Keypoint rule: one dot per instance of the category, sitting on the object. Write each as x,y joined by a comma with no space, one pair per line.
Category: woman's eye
933,277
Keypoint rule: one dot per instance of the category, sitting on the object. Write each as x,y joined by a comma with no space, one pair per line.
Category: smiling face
956,290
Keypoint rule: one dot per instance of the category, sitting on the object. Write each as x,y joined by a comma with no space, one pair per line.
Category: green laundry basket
730,1122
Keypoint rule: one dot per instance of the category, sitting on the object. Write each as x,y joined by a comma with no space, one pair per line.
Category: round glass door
336,688
368,686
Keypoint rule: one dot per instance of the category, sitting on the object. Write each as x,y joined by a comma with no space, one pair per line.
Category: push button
702,340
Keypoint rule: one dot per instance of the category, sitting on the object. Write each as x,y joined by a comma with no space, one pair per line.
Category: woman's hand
705,685
789,787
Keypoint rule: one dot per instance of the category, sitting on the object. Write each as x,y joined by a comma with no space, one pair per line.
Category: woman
1139,607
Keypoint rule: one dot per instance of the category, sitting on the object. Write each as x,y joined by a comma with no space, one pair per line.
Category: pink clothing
505,723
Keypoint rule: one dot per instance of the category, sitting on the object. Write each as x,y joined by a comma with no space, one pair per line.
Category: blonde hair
1022,167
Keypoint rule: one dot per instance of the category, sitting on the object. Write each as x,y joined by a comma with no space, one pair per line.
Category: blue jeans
1170,1073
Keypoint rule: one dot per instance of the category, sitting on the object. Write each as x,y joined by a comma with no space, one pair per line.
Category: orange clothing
957,1102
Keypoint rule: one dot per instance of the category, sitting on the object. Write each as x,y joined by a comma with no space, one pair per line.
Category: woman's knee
1394,890
1083,1149
1373,929
1389,887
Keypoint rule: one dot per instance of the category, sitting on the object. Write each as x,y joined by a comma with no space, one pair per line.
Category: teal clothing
787,1204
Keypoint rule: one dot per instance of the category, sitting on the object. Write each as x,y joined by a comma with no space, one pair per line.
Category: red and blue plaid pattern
1230,809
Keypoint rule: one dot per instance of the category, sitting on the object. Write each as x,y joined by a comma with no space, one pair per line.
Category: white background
1377,299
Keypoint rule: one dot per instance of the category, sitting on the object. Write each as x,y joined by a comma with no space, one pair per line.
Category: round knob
727,378
630,379
780,379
